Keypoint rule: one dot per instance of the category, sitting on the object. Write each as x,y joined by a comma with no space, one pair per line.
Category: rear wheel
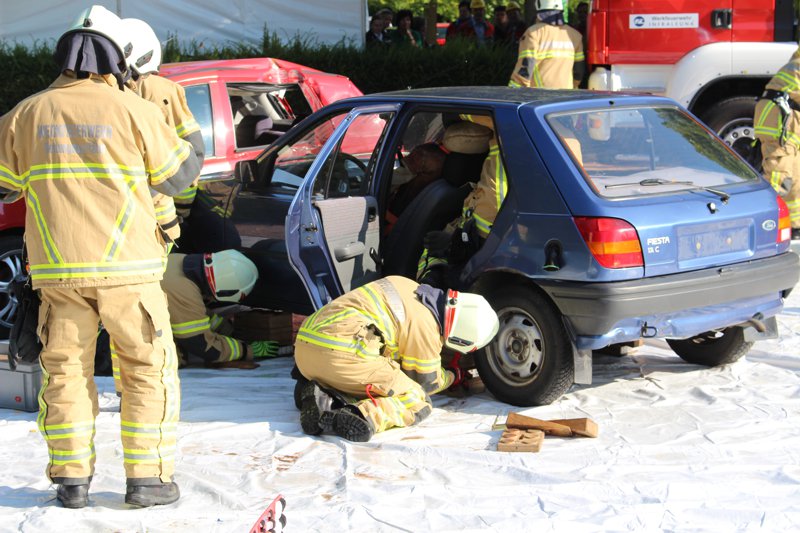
529,362
732,119
10,266
712,348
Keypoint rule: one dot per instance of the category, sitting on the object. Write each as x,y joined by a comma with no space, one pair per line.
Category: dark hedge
29,70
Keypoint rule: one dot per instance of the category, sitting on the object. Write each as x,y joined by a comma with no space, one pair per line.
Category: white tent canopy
209,23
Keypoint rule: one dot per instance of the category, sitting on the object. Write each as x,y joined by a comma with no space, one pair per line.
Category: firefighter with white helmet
192,282
84,153
777,126
143,64
370,359
550,52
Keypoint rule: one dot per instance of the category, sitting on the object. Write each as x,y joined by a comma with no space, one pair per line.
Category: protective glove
264,349
437,243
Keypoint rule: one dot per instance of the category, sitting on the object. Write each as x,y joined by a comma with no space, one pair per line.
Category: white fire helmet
145,57
549,5
470,322
101,21
230,275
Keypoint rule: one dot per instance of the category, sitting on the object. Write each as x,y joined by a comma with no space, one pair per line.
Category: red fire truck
714,57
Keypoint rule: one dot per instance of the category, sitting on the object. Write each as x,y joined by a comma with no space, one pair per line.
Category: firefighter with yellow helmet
84,154
550,52
370,359
777,126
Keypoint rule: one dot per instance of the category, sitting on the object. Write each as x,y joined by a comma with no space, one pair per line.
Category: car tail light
784,223
612,241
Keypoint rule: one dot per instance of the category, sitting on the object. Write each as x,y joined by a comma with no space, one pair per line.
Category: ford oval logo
768,225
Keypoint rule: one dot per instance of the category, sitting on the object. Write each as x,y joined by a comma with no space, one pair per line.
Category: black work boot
73,496
795,234
350,424
146,492
316,407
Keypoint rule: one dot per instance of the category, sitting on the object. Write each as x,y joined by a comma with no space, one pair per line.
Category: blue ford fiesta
616,218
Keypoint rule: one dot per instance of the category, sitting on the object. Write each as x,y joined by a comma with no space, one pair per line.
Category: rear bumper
675,305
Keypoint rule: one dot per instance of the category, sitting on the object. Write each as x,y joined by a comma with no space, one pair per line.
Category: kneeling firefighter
191,282
373,355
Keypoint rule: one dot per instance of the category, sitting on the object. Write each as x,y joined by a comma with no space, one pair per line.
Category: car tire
10,266
530,360
712,348
732,120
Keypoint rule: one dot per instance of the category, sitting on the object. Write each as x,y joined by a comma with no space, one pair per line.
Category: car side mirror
246,172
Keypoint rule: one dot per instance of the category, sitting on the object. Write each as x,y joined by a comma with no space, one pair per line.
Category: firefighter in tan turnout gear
143,64
373,355
777,126
445,251
550,52
84,154
192,281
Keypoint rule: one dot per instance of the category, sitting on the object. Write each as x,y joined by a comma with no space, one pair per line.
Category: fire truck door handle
722,18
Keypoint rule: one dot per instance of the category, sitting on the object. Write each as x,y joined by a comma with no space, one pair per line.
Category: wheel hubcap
739,135
517,352
10,266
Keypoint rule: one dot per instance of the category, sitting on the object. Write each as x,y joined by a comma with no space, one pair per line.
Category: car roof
508,95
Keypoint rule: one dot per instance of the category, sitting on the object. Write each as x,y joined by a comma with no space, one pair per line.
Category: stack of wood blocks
526,434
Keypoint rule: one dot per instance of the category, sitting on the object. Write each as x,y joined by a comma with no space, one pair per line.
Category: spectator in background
516,25
403,34
377,37
484,30
500,24
462,26
387,15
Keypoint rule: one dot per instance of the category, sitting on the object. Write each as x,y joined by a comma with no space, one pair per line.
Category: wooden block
585,427
520,440
518,421
262,325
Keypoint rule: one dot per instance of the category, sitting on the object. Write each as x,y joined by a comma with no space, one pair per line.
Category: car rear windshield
637,151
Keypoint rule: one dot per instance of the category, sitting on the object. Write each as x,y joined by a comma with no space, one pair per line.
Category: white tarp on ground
207,22
681,448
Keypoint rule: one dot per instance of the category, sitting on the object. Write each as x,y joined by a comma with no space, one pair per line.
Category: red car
242,105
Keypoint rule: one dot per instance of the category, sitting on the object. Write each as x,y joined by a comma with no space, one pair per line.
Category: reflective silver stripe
121,228
393,299
47,240
96,171
70,456
96,268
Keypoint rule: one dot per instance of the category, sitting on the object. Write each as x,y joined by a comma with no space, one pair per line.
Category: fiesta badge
768,225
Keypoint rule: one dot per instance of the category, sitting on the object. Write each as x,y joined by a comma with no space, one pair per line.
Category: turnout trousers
384,394
781,167
136,318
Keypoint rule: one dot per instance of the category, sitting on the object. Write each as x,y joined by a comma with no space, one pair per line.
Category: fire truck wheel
732,119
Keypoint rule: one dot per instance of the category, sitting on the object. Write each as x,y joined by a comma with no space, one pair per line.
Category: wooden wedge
520,440
518,421
584,427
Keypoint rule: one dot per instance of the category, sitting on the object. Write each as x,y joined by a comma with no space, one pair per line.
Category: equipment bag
23,343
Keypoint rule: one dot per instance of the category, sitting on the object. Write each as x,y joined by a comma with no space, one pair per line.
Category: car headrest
467,138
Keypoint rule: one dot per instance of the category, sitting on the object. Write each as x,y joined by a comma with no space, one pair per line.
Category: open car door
333,225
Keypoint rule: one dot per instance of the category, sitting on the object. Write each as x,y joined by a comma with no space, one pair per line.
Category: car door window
349,168
198,97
